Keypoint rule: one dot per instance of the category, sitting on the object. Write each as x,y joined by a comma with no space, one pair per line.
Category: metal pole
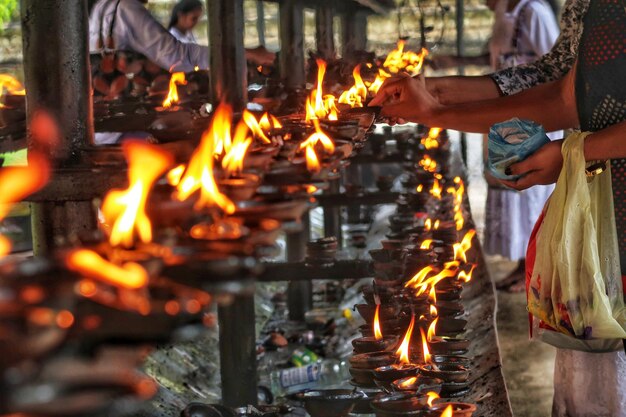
238,352
292,43
324,31
299,293
260,21
460,51
56,73
332,215
228,61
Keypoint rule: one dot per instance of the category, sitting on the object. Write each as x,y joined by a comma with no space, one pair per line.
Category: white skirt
589,384
510,218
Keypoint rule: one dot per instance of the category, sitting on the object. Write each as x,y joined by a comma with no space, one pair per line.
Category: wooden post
260,21
228,61
354,28
324,33
292,60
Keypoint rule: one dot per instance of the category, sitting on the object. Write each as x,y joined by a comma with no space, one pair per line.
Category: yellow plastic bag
576,287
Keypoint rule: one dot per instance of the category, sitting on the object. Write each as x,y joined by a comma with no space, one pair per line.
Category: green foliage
7,7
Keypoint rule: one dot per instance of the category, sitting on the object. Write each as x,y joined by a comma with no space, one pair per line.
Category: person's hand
405,98
260,56
542,167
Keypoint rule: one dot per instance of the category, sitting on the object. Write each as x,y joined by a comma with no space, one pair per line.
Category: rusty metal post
299,293
332,215
228,61
324,33
354,29
58,81
292,59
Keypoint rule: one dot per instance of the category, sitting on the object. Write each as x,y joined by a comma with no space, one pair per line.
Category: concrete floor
528,366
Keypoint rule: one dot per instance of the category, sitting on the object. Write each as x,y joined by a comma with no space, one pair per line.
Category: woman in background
185,16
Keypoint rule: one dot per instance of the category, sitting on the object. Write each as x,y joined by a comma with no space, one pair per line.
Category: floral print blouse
555,63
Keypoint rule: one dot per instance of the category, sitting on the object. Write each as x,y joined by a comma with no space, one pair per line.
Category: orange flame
403,350
407,382
199,173
319,136
177,78
428,224
357,94
459,220
125,210
429,164
426,244
11,85
432,396
431,142
432,295
448,412
436,190
431,330
312,162
377,332
449,271
318,105
427,356
464,246
18,182
175,174
433,311
378,81
419,277
91,265
255,127
409,61
233,160
419,188
466,276
269,122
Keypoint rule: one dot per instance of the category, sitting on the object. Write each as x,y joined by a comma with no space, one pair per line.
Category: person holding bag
591,96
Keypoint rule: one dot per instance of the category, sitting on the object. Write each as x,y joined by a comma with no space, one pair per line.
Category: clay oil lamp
385,255
452,409
385,375
418,384
444,345
385,311
362,366
377,342
384,294
453,375
331,403
321,252
401,404
450,326
394,327
388,271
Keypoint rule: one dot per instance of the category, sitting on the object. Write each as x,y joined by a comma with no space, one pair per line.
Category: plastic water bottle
321,374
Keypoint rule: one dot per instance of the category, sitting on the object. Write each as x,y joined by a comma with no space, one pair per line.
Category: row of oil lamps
184,225
411,352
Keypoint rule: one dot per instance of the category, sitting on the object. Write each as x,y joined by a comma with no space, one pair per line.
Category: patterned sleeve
555,63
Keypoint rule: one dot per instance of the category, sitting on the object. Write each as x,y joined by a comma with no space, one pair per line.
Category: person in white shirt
185,16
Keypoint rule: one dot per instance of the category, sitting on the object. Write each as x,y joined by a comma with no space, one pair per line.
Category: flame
377,332
429,164
419,277
220,129
125,210
199,173
378,81
436,190
436,225
18,182
430,141
433,311
426,244
177,78
427,356
255,127
428,224
432,296
318,105
409,61
175,174
11,85
233,160
448,412
432,396
431,330
466,276
464,246
357,94
403,350
407,382
419,188
459,220
269,122
88,263
458,193
450,269
310,189
312,162
319,136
